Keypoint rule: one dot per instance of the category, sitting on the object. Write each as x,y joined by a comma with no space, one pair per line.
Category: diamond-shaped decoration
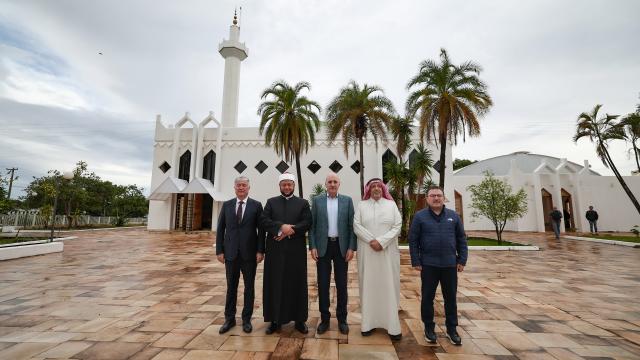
314,166
261,167
282,167
165,167
335,166
436,166
240,167
356,167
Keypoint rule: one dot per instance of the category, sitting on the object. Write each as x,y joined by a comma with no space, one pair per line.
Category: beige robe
379,271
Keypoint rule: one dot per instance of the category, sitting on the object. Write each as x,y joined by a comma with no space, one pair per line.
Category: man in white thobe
377,224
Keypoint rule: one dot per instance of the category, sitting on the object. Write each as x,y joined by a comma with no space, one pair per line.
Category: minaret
233,52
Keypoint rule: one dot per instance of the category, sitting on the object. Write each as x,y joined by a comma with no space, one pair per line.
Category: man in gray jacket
332,240
438,247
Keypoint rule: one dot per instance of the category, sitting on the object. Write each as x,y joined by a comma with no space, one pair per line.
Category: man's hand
220,257
314,254
418,267
375,245
460,268
349,255
259,257
287,230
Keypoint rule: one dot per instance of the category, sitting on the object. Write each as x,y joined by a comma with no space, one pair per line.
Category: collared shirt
287,197
244,205
332,215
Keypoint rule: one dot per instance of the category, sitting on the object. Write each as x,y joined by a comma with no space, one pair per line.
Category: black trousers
233,269
448,279
340,267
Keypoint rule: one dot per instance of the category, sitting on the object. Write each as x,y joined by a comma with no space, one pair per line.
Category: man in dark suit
240,246
332,239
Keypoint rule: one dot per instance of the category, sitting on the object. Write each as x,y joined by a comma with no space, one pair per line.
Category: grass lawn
12,240
633,239
482,241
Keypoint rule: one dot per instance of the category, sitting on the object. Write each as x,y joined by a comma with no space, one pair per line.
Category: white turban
286,176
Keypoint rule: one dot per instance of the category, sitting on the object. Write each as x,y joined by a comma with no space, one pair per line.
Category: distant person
556,218
567,219
377,224
286,219
438,248
332,241
240,246
592,217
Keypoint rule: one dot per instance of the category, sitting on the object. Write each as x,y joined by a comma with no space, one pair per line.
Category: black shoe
343,327
228,324
273,327
454,337
366,333
301,327
430,336
246,327
396,337
323,327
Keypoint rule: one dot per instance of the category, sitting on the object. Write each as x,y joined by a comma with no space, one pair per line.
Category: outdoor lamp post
67,175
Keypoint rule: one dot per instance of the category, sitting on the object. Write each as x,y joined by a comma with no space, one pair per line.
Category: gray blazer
318,233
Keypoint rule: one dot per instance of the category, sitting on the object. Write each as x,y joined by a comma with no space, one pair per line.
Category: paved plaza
131,294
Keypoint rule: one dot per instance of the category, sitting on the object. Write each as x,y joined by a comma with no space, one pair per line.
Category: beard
286,194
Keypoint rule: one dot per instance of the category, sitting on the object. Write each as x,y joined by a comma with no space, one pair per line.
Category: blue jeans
556,228
593,226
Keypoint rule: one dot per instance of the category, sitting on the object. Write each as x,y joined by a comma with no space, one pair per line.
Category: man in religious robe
286,219
377,224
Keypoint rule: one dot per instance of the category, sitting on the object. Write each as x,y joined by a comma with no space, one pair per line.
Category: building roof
525,161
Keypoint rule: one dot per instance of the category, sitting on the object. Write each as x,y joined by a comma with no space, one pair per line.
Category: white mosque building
195,162
549,182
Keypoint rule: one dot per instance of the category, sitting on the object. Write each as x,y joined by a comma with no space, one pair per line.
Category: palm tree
357,112
421,164
601,131
289,121
448,100
631,124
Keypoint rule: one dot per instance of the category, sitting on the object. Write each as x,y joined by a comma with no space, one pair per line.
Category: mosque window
314,167
261,167
240,167
209,166
387,157
356,167
335,166
282,167
165,167
185,166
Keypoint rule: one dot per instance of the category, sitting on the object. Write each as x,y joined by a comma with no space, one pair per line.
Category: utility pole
12,170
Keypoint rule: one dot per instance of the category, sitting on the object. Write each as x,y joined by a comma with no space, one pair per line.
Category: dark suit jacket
320,226
246,238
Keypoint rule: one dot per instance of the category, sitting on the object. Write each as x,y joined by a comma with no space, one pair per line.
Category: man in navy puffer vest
438,247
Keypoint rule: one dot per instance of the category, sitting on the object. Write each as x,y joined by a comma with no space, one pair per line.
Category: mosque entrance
206,211
567,210
547,207
459,208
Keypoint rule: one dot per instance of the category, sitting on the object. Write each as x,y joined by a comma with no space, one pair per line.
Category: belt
333,238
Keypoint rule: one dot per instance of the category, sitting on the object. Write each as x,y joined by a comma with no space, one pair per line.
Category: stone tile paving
131,294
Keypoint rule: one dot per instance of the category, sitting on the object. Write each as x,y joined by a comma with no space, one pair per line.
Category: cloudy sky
61,101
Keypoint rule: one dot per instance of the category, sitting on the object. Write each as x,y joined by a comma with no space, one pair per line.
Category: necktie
239,212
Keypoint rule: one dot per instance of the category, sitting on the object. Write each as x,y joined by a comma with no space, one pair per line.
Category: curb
492,248
604,241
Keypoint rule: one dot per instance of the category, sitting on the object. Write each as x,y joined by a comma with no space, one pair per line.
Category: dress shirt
244,205
332,215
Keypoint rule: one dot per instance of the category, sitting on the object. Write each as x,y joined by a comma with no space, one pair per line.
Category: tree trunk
621,180
361,168
499,235
637,154
443,153
299,175
403,229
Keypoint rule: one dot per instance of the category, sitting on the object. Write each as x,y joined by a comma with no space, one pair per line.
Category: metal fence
31,220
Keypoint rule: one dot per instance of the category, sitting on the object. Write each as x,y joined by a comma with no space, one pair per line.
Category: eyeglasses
435,196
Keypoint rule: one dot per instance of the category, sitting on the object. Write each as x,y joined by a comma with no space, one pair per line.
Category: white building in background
195,162
549,182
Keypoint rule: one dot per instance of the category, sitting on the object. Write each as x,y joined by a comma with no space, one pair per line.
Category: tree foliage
493,199
460,163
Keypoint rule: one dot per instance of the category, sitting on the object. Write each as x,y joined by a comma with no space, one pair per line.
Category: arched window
388,156
185,166
209,166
